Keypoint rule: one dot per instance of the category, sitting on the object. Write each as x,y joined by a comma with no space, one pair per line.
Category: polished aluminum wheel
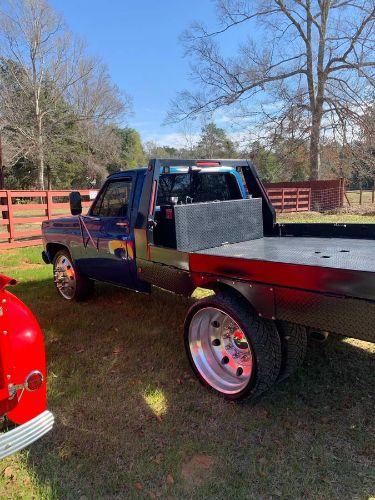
64,277
220,350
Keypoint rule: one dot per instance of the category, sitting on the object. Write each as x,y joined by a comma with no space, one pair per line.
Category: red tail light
208,164
34,381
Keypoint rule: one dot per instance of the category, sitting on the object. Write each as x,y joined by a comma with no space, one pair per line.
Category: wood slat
28,194
25,207
29,220
66,192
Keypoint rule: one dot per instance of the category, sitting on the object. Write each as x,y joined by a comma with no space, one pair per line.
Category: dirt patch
197,469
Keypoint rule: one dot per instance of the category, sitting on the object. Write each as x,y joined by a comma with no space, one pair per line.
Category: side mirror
75,201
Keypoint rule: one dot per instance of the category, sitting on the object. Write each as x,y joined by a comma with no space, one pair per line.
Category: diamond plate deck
335,253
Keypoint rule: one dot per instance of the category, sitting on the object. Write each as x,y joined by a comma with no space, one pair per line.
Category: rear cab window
197,187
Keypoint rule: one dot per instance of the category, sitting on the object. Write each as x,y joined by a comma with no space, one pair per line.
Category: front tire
231,350
69,283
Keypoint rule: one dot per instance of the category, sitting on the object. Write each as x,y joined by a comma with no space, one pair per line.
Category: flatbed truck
187,224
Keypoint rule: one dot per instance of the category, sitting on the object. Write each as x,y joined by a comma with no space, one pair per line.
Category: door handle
123,224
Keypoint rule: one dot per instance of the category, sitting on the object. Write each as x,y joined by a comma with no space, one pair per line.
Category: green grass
354,197
316,217
131,421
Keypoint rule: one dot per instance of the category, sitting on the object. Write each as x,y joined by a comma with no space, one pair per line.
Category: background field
132,422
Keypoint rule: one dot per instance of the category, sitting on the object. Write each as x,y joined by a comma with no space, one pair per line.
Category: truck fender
51,250
260,297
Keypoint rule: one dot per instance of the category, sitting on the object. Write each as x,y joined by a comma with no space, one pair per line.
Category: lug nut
215,324
225,360
216,342
239,372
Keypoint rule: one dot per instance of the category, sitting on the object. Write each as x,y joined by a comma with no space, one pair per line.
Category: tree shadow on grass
130,417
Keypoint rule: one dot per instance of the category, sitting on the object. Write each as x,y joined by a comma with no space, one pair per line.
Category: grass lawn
354,197
132,422
340,218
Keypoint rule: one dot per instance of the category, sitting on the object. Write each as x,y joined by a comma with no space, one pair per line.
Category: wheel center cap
239,340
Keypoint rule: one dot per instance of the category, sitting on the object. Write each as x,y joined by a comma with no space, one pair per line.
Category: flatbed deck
335,253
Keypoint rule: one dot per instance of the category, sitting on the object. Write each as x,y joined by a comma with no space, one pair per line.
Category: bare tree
313,55
52,79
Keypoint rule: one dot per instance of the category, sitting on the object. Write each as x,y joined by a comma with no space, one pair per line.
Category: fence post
49,204
360,196
282,199
11,228
343,191
298,195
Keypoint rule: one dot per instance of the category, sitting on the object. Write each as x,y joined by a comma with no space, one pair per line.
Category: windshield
197,187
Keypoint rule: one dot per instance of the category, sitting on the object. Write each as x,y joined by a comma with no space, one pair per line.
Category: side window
114,201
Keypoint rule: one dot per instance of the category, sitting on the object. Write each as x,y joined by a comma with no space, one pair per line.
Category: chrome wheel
220,350
65,277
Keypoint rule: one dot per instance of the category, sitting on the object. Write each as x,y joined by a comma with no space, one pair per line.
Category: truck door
110,230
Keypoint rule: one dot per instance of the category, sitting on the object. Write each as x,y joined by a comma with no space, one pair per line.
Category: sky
139,42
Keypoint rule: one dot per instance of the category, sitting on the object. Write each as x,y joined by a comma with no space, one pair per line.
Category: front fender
21,352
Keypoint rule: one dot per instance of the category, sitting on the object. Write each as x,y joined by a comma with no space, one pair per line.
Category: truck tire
68,282
231,350
293,347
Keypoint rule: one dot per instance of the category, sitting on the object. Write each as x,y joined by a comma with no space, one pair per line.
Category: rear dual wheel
293,347
235,352
231,350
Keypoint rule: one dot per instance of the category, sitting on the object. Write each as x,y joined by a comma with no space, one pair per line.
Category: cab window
114,200
197,187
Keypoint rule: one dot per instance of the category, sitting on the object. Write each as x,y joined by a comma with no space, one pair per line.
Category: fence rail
290,199
22,212
18,220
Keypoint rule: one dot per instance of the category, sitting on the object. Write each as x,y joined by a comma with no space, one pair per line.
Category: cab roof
178,165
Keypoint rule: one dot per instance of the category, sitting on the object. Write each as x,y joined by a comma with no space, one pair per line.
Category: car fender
22,352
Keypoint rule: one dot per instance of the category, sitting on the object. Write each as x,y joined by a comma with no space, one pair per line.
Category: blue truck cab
102,242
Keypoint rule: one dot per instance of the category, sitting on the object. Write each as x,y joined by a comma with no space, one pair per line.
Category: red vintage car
22,374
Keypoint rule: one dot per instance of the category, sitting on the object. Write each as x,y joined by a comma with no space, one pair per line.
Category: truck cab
102,245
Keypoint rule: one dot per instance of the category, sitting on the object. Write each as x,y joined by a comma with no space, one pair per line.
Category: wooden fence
325,194
22,213
290,199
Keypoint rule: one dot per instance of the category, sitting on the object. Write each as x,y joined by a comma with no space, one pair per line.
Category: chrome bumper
25,434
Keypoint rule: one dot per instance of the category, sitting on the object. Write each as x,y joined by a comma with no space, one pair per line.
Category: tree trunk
49,180
40,154
315,148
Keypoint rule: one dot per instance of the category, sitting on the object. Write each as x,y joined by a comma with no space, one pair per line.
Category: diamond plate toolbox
205,225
